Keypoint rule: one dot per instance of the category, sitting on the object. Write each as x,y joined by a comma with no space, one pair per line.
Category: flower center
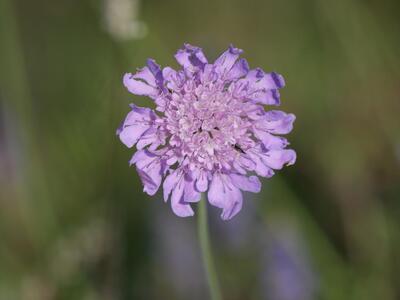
207,126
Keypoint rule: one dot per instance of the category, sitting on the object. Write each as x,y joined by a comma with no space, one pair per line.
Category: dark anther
216,128
198,130
237,148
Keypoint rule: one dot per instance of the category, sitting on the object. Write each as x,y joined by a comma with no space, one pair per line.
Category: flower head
209,131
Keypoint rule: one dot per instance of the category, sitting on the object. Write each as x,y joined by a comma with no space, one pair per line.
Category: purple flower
209,131
286,265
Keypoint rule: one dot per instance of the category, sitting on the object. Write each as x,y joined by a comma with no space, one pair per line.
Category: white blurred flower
121,19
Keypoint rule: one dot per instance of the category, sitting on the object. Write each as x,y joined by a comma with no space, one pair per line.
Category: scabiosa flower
209,130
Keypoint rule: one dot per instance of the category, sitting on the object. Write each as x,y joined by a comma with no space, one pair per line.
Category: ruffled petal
139,86
131,134
151,138
156,72
179,207
208,74
243,164
190,193
151,179
270,141
278,79
258,79
136,123
191,58
239,69
278,122
201,181
276,159
225,62
150,170
248,184
173,80
263,87
146,75
234,207
261,168
182,193
170,182
225,195
266,160
266,97
217,191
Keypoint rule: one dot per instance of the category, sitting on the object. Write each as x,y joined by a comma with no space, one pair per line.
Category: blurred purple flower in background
287,272
213,129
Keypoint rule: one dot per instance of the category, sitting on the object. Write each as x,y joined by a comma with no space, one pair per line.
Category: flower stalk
208,261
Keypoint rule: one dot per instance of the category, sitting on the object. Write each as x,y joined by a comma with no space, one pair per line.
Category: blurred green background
74,222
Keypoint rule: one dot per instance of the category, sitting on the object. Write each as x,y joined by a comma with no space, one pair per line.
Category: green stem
208,262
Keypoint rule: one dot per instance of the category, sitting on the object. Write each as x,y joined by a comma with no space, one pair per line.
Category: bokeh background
74,222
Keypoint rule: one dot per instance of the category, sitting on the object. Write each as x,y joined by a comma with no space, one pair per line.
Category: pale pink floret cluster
209,131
